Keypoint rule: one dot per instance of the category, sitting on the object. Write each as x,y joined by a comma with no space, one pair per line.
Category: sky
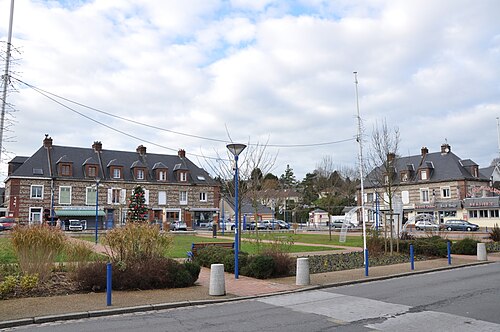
196,75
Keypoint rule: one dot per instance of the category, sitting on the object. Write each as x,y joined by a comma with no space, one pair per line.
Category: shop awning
79,213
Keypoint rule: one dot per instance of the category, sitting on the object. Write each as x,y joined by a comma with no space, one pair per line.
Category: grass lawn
7,254
351,241
182,244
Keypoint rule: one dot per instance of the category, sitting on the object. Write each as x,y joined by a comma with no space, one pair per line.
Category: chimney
182,153
445,148
47,142
97,146
141,150
424,151
390,157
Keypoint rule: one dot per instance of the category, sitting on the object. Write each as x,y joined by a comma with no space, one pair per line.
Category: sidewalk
16,312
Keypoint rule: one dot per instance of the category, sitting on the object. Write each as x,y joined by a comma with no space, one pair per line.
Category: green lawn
351,241
7,254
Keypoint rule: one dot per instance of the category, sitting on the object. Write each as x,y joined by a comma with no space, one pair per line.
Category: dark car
459,225
8,223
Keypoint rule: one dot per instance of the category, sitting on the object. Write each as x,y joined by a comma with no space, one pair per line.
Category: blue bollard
108,283
412,258
366,263
449,252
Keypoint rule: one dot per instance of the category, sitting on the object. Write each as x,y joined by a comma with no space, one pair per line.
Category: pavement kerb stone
162,306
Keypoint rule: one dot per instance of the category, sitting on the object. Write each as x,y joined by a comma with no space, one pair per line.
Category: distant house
63,182
318,217
439,183
247,211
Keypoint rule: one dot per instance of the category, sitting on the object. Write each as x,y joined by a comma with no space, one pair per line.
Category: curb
181,304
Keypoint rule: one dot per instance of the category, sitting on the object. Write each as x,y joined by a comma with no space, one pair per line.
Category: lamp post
96,207
236,149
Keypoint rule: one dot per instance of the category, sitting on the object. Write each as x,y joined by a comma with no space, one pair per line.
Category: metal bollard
109,275
302,277
448,249
412,258
481,252
217,281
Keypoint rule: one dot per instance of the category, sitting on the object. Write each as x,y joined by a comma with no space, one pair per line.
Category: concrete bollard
481,252
302,277
217,281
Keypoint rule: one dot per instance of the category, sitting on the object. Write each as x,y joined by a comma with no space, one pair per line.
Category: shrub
426,246
375,244
36,248
78,253
467,246
153,273
219,255
135,242
494,233
406,236
8,285
283,263
259,266
27,282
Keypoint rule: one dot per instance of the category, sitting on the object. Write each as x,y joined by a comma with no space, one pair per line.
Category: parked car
1,227
278,224
8,223
339,223
178,226
205,224
259,225
426,225
459,225
75,225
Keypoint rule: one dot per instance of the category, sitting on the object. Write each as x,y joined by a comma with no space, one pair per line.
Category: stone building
63,182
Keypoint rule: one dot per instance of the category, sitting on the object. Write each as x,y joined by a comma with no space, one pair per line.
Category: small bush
467,246
8,285
78,253
375,244
154,273
426,246
219,255
37,248
260,267
28,282
494,233
283,263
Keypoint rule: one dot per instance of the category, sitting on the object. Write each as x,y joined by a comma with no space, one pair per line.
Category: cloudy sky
196,74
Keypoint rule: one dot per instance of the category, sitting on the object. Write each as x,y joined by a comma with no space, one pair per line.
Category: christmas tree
137,209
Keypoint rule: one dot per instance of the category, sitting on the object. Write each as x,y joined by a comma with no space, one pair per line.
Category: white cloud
259,70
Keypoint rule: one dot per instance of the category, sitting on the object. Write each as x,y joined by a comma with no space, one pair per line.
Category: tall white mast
498,133
360,156
6,78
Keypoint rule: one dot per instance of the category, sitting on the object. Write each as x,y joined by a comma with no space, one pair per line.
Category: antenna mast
360,156
6,78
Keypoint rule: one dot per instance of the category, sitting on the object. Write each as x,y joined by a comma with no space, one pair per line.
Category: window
494,214
65,169
445,192
90,196
404,177
183,176
424,195
473,214
386,179
162,198
37,191
162,175
369,197
117,196
203,197
35,216
183,198
116,173
92,171
64,195
423,174
483,213
140,174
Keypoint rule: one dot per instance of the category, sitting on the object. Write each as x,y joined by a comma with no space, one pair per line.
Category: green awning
79,213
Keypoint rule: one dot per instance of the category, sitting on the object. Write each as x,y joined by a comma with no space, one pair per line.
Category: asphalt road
465,299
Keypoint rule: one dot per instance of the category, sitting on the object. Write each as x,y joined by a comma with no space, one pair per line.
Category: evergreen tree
137,209
287,179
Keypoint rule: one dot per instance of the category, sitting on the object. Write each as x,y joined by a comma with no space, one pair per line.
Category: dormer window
65,169
182,176
424,174
116,172
404,177
161,175
91,171
140,174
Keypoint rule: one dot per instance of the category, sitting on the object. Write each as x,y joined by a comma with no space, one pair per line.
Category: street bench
197,246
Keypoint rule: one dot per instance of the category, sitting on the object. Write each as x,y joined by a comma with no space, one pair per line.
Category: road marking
344,309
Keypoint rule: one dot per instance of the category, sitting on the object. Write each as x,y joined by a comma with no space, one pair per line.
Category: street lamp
96,206
236,149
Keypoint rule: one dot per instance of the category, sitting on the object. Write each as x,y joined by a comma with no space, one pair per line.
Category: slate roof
443,167
38,165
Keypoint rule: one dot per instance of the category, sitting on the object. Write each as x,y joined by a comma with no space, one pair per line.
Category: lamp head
236,148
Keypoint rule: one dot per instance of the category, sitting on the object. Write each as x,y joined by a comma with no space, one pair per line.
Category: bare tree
383,175
254,163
